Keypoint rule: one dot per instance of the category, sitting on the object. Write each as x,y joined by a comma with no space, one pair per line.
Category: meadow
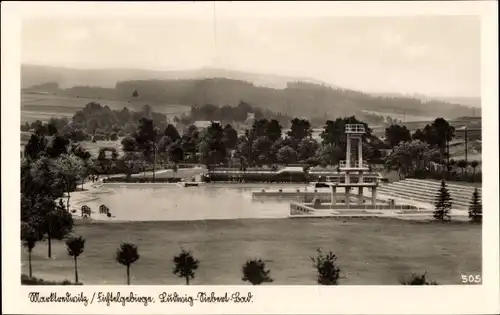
370,251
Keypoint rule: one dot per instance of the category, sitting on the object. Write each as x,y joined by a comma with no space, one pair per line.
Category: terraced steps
457,197
425,191
433,183
409,193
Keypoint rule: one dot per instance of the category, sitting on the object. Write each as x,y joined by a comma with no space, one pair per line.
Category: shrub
414,279
26,280
254,271
326,267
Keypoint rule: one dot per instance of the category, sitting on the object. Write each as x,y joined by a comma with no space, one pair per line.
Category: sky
433,55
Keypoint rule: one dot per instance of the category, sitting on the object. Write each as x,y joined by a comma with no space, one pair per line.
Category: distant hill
33,75
300,97
467,101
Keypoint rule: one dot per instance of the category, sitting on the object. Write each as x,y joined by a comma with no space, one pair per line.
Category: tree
254,271
396,134
230,137
57,223
114,154
51,129
417,280
306,149
172,133
259,129
146,136
39,180
75,246
329,154
126,255
175,153
274,130
442,203
462,164
189,142
286,155
35,147
261,151
29,238
326,267
418,135
70,169
211,145
474,165
135,94
476,207
57,146
129,144
438,133
300,129
113,136
185,265
407,156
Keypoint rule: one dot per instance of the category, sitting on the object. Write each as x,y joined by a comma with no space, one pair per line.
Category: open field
94,147
370,251
44,106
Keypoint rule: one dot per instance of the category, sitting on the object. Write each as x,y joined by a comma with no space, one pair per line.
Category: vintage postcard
240,157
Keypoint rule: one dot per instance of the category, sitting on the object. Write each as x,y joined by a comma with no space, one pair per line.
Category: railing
297,209
353,164
355,128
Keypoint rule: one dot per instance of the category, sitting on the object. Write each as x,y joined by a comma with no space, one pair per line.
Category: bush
328,272
414,279
38,281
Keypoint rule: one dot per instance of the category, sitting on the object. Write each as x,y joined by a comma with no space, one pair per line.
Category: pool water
166,203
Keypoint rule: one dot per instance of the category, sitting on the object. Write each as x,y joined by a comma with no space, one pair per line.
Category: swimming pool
143,202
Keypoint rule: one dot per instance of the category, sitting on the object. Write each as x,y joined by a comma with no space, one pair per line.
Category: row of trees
50,170
443,204
97,122
230,114
425,152
262,144
186,265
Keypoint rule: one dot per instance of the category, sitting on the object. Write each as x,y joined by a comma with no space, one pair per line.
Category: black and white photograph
249,150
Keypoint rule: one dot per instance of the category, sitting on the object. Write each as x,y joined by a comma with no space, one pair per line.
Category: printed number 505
471,278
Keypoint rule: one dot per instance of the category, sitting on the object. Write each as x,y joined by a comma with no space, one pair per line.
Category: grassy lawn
370,251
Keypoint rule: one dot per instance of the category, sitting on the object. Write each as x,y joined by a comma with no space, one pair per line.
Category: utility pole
447,155
466,139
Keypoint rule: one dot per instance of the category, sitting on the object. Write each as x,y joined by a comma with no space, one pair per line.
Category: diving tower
354,168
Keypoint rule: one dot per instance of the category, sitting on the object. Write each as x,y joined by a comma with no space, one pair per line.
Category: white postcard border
267,299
